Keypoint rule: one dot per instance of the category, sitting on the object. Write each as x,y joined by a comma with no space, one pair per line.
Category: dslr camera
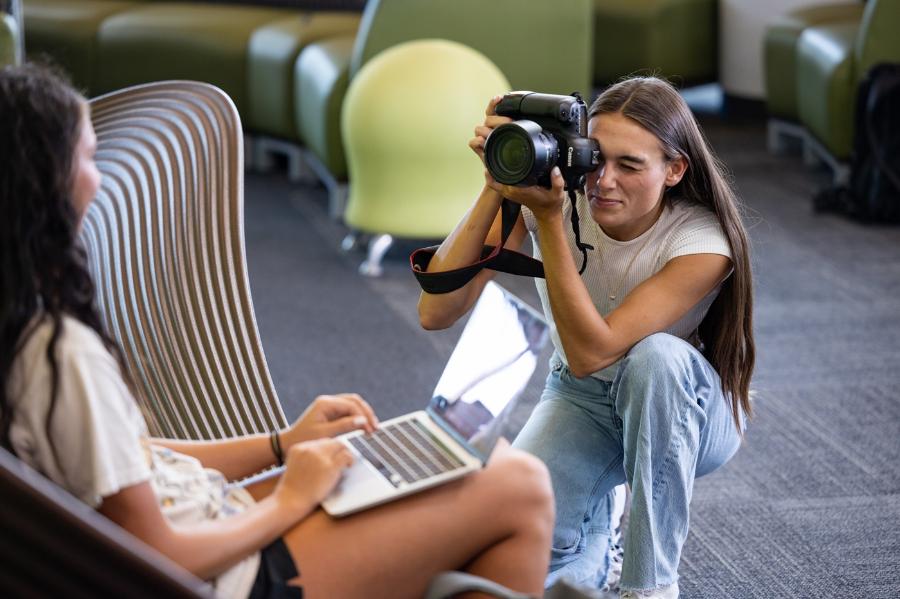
547,131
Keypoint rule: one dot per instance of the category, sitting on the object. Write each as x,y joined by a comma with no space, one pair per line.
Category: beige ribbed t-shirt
614,268
98,443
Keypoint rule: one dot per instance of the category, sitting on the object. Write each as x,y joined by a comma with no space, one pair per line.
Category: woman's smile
599,202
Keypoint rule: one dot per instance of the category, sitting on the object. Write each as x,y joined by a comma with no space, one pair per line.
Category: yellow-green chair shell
406,120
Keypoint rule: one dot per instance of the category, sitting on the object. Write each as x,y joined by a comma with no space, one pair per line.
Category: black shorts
276,568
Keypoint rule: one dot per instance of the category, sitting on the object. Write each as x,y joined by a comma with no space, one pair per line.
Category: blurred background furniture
539,45
780,51
12,43
675,39
407,117
165,242
287,63
832,59
815,58
66,31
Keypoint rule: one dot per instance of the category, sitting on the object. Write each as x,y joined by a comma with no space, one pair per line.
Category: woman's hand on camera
545,204
313,469
491,122
329,416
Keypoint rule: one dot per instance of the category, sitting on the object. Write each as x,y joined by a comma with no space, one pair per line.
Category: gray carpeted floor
810,507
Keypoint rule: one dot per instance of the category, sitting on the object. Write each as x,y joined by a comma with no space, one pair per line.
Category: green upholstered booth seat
321,77
538,45
676,39
272,53
66,30
831,62
780,48
155,41
825,84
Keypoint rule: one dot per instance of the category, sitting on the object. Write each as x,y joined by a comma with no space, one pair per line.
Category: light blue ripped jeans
661,422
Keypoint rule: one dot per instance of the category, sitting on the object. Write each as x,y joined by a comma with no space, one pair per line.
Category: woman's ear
675,170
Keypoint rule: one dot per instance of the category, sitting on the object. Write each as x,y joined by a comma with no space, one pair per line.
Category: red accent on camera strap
494,257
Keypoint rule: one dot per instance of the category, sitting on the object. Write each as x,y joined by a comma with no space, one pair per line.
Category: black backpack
873,194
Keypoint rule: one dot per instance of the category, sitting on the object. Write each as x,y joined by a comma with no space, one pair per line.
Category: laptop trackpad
360,485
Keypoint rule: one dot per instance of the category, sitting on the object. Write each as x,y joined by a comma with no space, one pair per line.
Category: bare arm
327,416
235,458
481,225
592,342
209,548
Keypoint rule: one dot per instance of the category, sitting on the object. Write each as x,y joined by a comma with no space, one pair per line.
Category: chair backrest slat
165,241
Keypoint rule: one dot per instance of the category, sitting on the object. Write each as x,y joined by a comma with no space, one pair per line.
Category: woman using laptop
66,410
654,343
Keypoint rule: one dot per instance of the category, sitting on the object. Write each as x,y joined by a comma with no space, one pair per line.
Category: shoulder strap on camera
494,257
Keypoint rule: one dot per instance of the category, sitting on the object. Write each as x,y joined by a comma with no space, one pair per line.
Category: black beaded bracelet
275,441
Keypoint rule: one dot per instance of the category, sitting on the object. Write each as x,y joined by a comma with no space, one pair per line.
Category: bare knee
523,482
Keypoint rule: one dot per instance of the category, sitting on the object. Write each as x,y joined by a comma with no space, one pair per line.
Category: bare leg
495,523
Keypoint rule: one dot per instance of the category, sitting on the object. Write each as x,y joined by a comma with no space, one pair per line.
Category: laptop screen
492,363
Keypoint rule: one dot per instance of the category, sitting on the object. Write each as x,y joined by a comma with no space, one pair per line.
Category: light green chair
406,120
832,60
540,45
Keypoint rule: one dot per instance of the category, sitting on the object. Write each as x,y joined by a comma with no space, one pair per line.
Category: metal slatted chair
165,241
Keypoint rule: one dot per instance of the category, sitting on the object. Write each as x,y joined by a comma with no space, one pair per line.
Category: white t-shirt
614,267
100,443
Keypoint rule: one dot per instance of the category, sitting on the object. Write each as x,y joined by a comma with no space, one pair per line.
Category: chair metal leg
782,136
265,147
337,200
338,191
841,173
354,240
378,247
811,157
775,139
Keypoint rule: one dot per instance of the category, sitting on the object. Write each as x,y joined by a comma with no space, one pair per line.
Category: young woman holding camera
649,382
66,410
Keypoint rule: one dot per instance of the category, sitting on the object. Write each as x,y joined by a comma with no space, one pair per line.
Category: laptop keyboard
405,452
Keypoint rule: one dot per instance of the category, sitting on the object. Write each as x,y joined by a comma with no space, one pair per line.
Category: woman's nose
601,178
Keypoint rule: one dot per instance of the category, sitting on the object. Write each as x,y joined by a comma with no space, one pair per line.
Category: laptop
490,366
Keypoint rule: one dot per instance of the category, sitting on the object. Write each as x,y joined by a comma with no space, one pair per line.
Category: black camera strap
496,258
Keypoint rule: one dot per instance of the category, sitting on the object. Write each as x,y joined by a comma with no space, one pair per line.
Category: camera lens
519,153
513,154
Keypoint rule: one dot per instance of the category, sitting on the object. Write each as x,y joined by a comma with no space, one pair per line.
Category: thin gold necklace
599,233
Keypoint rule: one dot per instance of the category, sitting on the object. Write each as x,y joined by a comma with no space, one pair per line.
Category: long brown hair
727,329
42,266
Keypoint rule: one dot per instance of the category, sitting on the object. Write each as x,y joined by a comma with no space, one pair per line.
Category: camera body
547,130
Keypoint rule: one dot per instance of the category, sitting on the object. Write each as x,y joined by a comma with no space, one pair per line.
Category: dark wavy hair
727,329
43,268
